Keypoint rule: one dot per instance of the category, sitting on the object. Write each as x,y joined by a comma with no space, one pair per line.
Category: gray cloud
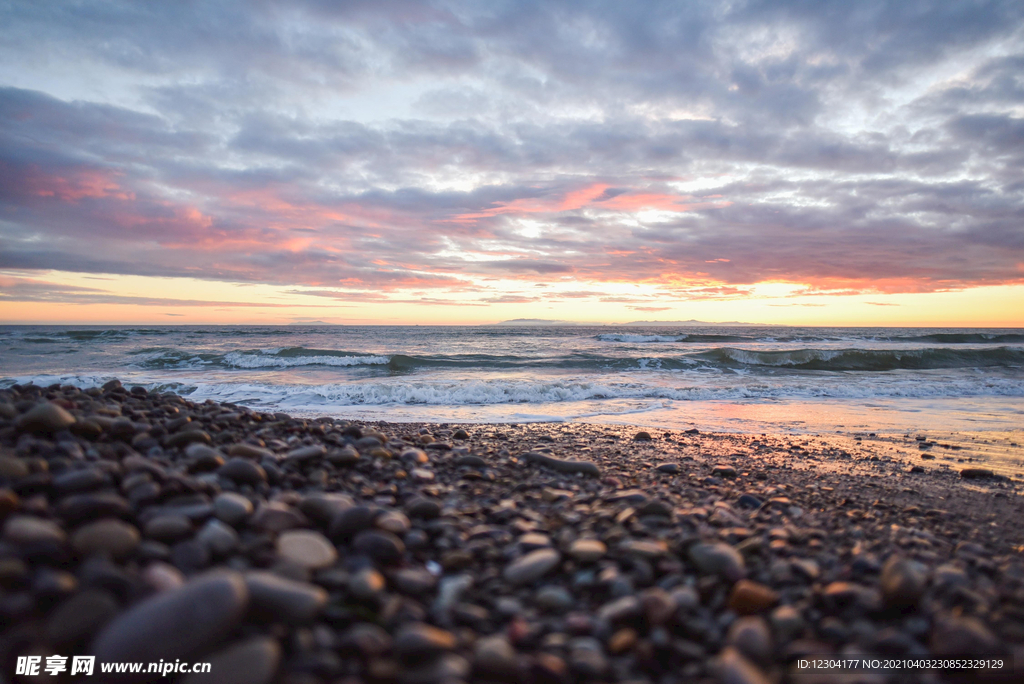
378,146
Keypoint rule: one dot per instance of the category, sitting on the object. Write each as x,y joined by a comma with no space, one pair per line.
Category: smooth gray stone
718,559
108,535
45,419
277,599
532,566
241,470
253,661
419,641
180,623
306,453
903,582
585,467
322,507
232,508
381,546
80,616
218,538
28,529
494,656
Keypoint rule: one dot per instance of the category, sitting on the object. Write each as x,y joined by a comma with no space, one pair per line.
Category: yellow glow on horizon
128,300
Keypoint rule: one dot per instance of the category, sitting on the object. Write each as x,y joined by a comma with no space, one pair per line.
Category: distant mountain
539,321
310,323
693,322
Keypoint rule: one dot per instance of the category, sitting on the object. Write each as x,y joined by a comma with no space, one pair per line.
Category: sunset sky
835,163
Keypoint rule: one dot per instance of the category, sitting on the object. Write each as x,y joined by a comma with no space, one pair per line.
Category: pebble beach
141,526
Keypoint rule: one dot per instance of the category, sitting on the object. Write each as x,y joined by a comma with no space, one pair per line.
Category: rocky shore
142,527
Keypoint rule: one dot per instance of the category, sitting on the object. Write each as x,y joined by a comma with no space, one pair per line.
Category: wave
694,338
867,360
966,338
495,391
718,358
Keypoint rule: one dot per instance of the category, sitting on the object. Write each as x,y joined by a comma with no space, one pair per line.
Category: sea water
729,379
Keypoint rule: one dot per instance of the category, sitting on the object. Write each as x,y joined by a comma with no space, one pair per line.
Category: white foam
266,359
626,337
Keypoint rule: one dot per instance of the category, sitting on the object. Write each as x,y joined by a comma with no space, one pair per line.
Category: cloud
357,151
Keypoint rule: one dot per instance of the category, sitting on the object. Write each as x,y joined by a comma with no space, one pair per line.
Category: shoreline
415,553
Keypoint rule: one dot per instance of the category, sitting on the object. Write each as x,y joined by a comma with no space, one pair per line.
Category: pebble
383,547
962,637
45,419
718,559
903,582
587,658
27,529
80,508
733,668
79,480
176,624
252,661
495,658
232,508
275,598
748,501
420,641
622,641
80,616
787,622
307,549
587,550
620,609
276,516
584,467
168,528
366,583
723,470
658,605
751,636
394,522
109,535
669,468
975,473
186,437
555,599
420,507
219,538
350,521
323,506
249,451
243,471
413,581
749,597
532,566
308,453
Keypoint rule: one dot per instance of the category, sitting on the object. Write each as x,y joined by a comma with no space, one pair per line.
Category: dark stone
243,471
80,616
176,624
253,661
423,508
380,546
418,641
585,467
351,521
277,599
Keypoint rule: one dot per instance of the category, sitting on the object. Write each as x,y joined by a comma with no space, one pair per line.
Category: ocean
727,379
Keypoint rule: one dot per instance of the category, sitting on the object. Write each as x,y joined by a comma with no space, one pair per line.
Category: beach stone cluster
139,526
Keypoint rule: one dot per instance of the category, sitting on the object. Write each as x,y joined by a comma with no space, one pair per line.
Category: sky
794,162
